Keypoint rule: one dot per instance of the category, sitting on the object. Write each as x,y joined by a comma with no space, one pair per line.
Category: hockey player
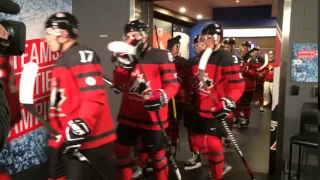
176,105
190,115
79,107
268,80
153,72
248,70
261,73
175,110
220,68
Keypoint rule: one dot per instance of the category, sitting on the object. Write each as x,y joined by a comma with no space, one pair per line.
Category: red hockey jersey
223,79
269,76
78,92
263,71
158,72
249,77
10,89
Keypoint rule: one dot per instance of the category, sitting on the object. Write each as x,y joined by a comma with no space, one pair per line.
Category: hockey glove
156,100
125,61
117,89
73,136
224,108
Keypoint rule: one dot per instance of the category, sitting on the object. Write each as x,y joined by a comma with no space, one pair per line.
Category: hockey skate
226,168
261,109
193,162
140,173
243,123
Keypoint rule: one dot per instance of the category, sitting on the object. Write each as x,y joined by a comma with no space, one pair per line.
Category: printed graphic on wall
184,41
161,34
28,139
304,67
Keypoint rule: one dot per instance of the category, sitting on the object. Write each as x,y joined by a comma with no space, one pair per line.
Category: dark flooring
254,144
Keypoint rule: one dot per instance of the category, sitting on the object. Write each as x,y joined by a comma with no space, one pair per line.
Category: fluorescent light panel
257,32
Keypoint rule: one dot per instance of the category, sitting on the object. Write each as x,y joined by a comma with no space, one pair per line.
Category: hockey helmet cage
231,41
172,41
246,44
196,39
64,21
136,25
213,29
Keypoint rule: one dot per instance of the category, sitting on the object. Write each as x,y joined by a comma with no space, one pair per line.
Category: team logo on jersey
139,86
197,83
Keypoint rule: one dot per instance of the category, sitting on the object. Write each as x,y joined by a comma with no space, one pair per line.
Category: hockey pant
152,142
259,91
65,166
267,91
243,106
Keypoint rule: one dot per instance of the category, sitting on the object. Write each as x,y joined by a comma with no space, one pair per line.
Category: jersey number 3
86,56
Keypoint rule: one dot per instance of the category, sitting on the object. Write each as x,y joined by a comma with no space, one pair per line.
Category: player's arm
121,72
248,70
233,75
234,90
168,72
88,77
170,83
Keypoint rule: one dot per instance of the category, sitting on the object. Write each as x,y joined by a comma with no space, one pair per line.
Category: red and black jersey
249,76
180,64
77,91
160,72
223,79
269,76
10,88
264,71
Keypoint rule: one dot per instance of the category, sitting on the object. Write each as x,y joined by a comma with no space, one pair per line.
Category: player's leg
266,93
142,161
126,137
259,91
154,144
215,132
55,164
246,108
101,158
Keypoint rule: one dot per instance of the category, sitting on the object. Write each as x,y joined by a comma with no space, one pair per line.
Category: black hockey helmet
196,39
246,44
256,48
136,25
213,29
231,41
172,41
63,21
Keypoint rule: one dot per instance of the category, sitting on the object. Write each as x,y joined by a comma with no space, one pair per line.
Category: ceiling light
199,16
182,9
237,1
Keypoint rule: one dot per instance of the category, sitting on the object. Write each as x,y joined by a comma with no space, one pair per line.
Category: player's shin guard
216,156
160,165
192,141
123,162
142,157
200,141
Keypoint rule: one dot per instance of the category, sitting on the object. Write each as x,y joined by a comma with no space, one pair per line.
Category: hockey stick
173,100
202,66
116,89
27,81
119,46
